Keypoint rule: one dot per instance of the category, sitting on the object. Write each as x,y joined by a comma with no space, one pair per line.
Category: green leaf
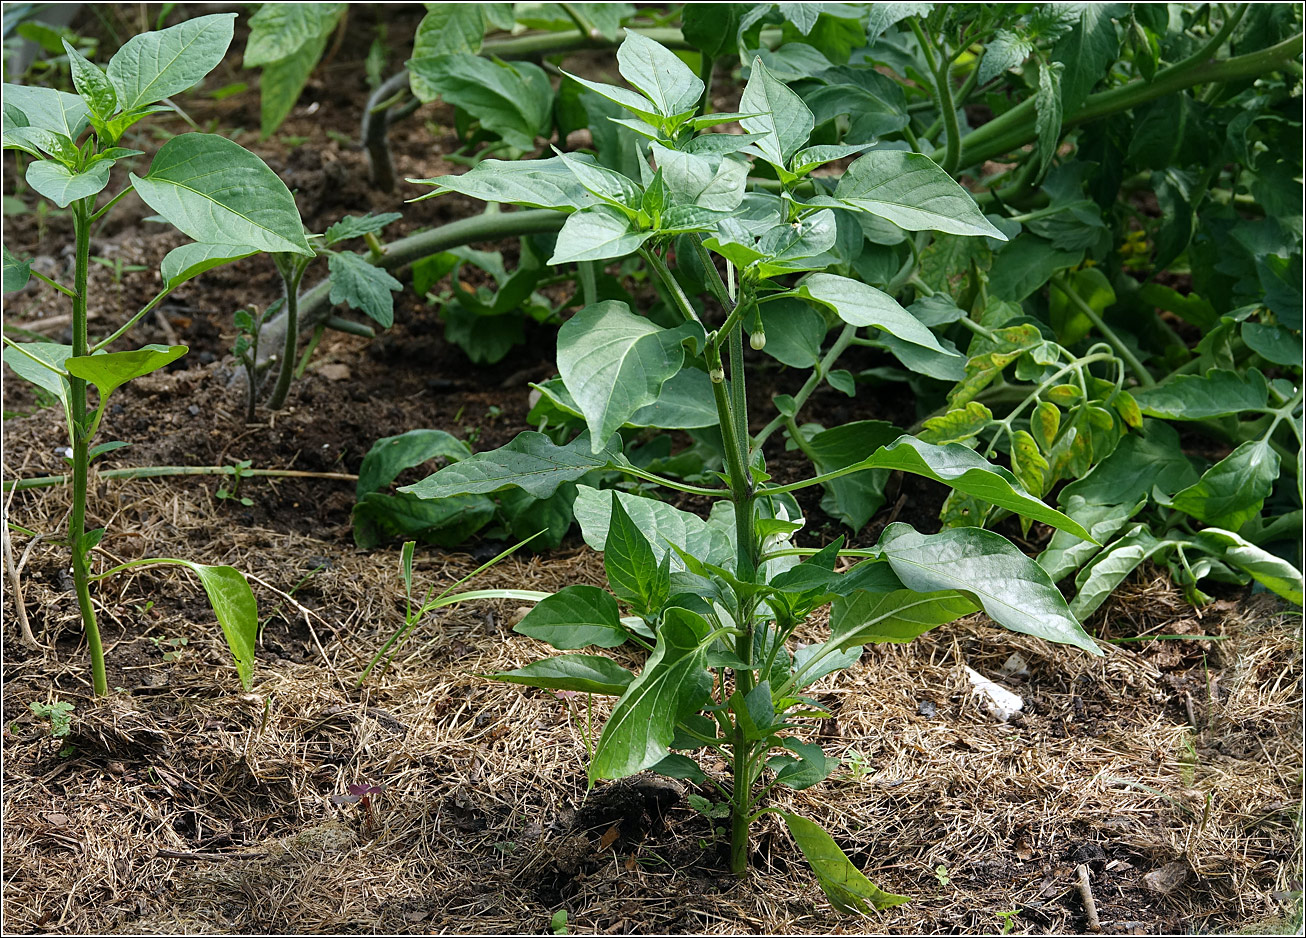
1066,553
379,516
447,28
853,499
532,183
46,109
673,685
42,377
963,469
391,455
1218,393
794,332
714,182
363,286
677,766
355,226
913,192
1108,570
1087,52
1234,489
861,305
1273,572
785,122
235,608
16,272
1135,467
899,616
632,101
511,99
1047,109
587,674
661,523
988,569
92,84
531,462
283,81
607,184
597,234
811,766
1004,51
684,403
711,28
216,191
153,66
659,73
633,569
1274,343
575,617
614,363
111,370
1026,264
280,30
61,185
843,884
191,260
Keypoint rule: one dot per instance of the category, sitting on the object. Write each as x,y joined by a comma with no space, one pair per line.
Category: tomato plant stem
292,272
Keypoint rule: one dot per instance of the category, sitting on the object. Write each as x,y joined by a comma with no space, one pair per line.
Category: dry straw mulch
1171,770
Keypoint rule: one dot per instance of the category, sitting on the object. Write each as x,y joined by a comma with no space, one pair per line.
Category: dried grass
191,807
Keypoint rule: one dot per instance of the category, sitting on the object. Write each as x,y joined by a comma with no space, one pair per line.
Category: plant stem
81,450
942,74
705,69
811,384
292,272
156,472
1144,376
123,329
54,283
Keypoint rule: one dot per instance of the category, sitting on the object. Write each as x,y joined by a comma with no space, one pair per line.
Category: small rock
1168,878
927,708
1015,666
193,410
335,371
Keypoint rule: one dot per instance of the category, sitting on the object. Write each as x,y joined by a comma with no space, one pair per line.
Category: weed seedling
558,922
1008,919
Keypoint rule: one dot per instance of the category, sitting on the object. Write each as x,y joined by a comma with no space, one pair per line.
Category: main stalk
81,443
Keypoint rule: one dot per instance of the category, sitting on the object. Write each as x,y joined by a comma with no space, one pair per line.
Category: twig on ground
1086,893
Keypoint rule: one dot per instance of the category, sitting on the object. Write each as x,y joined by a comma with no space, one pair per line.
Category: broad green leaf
633,569
861,305
988,569
1234,489
659,73
446,28
511,99
1135,467
794,332
234,606
614,363
44,378
111,370
713,182
1025,266
61,185
532,183
711,27
16,272
785,122
1274,343
967,472
1108,570
661,523
46,109
1087,52
587,674
676,765
1004,51
280,30
869,618
809,158
157,65
391,455
607,184
632,101
191,260
1218,393
684,403
1066,553
574,617
363,286
355,226
845,886
910,190
378,517
597,234
91,83
216,191
805,674
1271,571
531,462
283,81
673,684
853,499
883,15
809,766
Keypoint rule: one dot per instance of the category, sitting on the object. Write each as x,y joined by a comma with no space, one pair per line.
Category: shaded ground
1171,768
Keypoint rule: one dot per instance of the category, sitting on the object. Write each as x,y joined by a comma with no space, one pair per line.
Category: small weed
59,714
173,648
558,922
1008,919
942,875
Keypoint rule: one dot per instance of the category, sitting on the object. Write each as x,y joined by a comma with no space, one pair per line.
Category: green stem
125,327
156,472
705,69
1144,376
941,71
1015,128
290,278
582,22
54,283
589,289
672,285
110,204
813,381
81,444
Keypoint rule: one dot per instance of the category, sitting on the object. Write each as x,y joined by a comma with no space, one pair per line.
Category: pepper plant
207,186
713,603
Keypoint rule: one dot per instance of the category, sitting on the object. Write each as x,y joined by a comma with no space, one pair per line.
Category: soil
1170,769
